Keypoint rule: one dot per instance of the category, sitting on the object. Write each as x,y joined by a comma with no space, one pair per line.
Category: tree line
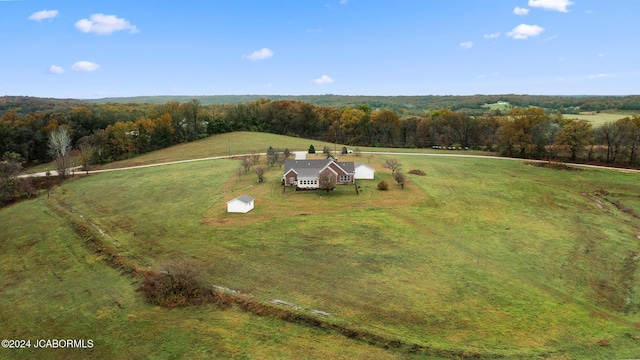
112,131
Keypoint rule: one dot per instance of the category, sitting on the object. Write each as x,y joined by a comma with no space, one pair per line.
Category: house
305,174
364,171
241,204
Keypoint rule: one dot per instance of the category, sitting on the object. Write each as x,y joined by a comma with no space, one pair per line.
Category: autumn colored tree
522,134
385,126
162,132
461,127
355,126
86,155
575,136
120,139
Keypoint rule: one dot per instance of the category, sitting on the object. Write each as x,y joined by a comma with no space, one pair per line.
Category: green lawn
52,287
597,119
478,256
502,106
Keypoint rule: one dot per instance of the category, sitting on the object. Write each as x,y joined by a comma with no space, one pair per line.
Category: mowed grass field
53,287
597,119
480,256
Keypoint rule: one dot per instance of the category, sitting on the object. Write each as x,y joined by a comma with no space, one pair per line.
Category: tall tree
610,135
59,149
522,134
630,127
575,136
385,125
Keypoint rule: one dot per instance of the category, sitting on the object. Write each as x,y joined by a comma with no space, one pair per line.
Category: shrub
177,283
312,150
382,185
417,172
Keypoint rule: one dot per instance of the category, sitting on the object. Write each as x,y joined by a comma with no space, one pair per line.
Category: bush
312,150
382,185
417,172
177,283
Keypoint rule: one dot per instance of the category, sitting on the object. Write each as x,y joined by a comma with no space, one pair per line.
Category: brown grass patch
553,165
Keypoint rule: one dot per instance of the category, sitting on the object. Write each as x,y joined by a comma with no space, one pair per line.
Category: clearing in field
596,119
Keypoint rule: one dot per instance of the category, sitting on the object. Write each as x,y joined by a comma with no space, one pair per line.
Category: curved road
302,155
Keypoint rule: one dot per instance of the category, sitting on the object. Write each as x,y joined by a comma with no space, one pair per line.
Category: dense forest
415,105
533,128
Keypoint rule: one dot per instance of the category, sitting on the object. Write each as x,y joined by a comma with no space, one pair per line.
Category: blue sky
95,49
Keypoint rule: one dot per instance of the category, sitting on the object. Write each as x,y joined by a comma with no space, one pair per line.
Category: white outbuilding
241,204
364,171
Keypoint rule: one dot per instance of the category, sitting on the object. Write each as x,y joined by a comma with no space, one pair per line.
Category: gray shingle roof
311,168
244,198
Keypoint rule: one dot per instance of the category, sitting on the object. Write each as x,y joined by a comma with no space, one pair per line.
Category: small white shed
364,171
241,204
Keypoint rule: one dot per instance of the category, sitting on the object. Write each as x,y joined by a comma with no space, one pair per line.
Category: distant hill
405,105
414,102
28,104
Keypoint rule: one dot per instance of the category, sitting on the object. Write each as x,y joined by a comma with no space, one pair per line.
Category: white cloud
261,54
324,79
486,76
492,36
524,31
44,14
466,44
54,69
600,76
520,11
104,24
557,5
85,66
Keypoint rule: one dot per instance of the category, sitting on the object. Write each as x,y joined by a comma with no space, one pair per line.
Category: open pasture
52,286
596,119
494,257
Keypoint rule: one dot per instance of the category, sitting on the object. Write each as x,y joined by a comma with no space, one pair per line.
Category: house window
345,178
292,180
